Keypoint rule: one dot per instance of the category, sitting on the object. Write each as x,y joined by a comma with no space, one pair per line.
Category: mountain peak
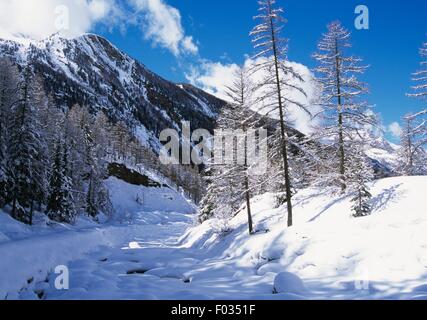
90,71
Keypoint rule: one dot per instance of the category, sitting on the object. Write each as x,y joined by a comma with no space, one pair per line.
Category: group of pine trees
334,154
55,160
51,160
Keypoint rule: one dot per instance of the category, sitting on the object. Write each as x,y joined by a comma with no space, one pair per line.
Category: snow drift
380,256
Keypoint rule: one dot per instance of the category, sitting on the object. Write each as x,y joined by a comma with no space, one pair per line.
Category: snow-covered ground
380,256
163,255
29,254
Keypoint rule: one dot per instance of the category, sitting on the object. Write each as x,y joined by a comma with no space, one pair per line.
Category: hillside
92,72
337,256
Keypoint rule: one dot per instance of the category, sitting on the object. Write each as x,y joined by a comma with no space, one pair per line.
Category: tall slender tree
74,137
9,80
229,176
420,79
417,123
26,151
344,112
271,57
239,118
97,197
60,204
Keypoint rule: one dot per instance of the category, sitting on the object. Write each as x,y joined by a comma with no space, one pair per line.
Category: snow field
380,256
163,255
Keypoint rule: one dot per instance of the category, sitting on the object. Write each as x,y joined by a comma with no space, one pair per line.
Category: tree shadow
306,200
384,199
328,206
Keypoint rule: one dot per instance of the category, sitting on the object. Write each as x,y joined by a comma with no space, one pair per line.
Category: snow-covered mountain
92,72
384,156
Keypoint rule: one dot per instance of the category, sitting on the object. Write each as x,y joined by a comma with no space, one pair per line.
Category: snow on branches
345,113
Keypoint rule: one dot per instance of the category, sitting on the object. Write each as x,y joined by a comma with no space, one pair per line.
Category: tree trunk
246,167
340,120
31,212
248,205
410,152
282,123
14,208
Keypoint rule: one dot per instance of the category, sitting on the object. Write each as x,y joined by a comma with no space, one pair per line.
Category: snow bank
286,282
10,228
34,257
384,254
129,199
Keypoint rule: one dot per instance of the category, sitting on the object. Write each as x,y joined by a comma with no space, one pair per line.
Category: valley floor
329,254
155,266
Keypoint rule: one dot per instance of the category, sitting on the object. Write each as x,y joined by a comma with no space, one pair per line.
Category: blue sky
174,37
220,28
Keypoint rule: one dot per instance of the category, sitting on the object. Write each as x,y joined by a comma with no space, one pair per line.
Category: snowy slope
128,199
385,254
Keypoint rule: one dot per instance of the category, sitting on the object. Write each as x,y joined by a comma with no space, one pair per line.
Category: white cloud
39,19
395,129
161,23
214,77
99,8
189,45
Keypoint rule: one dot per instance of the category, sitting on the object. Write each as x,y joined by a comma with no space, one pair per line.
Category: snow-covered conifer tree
412,155
9,80
239,118
86,138
97,197
27,181
420,79
60,205
344,112
100,163
272,59
225,190
228,178
414,136
359,174
74,137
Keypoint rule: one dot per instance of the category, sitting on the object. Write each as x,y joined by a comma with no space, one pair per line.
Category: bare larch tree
271,58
